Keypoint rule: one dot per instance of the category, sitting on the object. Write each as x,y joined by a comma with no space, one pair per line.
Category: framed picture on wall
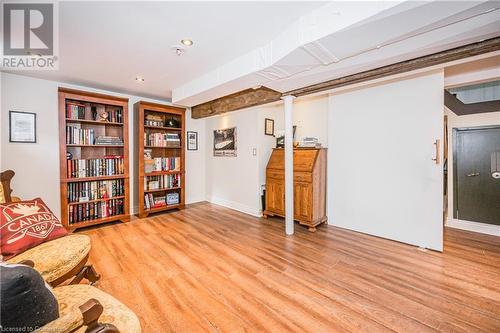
22,127
192,140
225,142
269,127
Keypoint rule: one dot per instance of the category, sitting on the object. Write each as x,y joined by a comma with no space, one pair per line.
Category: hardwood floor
211,269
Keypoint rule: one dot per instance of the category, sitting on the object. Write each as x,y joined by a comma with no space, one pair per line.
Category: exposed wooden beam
442,57
252,97
240,100
460,108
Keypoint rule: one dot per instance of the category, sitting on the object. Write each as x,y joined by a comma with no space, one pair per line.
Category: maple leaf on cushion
26,224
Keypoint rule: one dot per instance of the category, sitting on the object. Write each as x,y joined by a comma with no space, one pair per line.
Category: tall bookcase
94,158
160,152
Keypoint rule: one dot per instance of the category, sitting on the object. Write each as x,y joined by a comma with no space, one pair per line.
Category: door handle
474,174
436,159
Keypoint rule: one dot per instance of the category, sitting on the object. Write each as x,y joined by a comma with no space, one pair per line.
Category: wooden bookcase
97,190
163,155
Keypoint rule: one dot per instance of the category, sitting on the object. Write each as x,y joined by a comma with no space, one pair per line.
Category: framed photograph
269,127
192,140
225,142
22,127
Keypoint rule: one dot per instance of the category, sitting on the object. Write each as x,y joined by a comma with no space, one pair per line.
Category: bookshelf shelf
162,147
79,125
151,149
88,223
158,173
95,146
89,179
164,128
95,122
97,200
161,209
162,189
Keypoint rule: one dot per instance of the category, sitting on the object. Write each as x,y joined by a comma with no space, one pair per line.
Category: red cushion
26,224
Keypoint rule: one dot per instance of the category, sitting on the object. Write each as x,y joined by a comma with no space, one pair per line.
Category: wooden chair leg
88,272
91,274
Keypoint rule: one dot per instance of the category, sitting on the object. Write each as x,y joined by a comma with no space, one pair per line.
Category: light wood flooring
210,269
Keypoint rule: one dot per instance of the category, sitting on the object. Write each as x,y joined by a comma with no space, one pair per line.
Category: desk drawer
276,174
305,177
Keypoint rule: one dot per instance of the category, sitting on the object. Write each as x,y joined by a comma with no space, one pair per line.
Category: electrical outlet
254,151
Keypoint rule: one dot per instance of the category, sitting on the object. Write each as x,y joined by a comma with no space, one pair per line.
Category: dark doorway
476,185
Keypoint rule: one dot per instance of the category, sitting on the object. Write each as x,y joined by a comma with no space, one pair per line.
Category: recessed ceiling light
187,42
379,46
139,79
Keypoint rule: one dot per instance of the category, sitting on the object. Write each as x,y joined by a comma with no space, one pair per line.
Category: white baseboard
236,206
482,228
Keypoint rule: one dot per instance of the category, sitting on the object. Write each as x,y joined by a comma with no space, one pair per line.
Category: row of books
102,189
79,136
162,182
109,141
152,119
154,123
95,210
152,201
108,166
98,112
114,115
162,164
75,110
162,139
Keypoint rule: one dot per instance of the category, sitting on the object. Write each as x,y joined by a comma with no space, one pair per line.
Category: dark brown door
477,190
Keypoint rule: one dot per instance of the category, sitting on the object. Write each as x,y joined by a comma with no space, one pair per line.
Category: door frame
456,131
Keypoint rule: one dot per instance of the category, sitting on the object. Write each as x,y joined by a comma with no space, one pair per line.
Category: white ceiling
238,45
342,38
107,44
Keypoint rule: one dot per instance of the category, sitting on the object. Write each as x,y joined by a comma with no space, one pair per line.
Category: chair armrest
67,323
86,314
15,199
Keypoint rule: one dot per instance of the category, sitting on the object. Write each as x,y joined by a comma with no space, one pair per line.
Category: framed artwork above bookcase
94,158
160,146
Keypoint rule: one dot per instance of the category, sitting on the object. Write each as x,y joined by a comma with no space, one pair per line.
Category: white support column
288,100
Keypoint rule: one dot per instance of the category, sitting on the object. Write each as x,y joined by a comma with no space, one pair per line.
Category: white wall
196,162
234,181
310,115
37,165
267,142
381,177
454,121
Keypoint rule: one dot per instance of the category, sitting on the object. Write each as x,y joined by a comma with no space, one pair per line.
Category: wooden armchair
85,309
5,190
57,260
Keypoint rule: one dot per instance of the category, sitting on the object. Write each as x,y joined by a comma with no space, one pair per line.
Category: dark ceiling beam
253,97
240,100
460,108
438,58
